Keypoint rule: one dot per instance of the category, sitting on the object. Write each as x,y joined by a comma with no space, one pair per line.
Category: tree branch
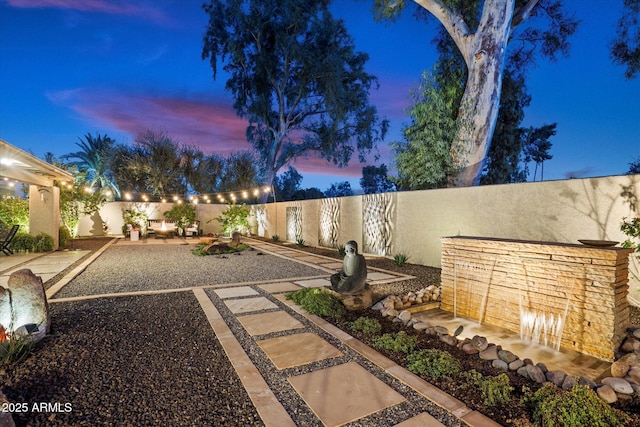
522,14
453,23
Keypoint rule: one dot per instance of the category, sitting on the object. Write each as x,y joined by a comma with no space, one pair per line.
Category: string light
218,197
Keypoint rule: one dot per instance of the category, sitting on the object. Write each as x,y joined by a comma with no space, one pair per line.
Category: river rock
607,394
441,330
630,344
515,365
588,382
356,302
500,364
522,371
542,367
557,377
490,353
634,373
391,312
420,326
636,333
507,356
469,348
619,368
569,382
618,385
404,315
449,339
535,373
480,343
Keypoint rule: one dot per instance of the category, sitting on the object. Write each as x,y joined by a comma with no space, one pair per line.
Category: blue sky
72,67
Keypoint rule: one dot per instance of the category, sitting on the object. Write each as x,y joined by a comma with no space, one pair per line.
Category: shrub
275,238
234,218
366,325
200,250
577,407
400,259
23,242
433,363
494,390
300,243
43,243
64,237
14,210
183,214
401,342
316,301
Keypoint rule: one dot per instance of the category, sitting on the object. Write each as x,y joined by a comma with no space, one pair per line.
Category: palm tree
95,162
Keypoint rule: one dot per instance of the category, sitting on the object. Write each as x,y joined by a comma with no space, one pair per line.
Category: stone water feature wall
562,295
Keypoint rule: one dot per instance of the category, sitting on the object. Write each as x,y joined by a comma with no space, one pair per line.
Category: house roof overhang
17,164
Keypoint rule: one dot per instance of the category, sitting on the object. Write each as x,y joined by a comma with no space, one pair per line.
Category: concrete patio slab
238,291
344,393
266,323
297,349
314,283
247,305
277,288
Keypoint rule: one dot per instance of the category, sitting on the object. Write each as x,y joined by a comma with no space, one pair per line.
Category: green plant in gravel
200,250
300,243
275,238
580,406
366,325
316,301
14,348
400,259
433,363
401,342
234,218
494,390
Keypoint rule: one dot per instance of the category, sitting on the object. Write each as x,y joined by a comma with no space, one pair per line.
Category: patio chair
4,245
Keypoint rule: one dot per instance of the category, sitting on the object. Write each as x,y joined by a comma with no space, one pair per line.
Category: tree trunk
479,106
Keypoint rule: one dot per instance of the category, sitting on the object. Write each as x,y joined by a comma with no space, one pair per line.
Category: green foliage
316,301
23,242
375,180
400,259
433,363
423,159
300,243
14,210
15,348
578,407
200,250
135,216
366,325
339,189
631,228
183,214
401,342
275,238
234,218
494,390
43,242
302,64
64,237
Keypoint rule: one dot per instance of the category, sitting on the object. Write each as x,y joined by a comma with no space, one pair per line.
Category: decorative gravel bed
130,268
139,361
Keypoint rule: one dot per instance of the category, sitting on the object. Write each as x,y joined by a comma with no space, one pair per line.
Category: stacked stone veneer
495,280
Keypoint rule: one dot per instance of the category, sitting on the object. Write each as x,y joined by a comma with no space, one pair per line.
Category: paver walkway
339,379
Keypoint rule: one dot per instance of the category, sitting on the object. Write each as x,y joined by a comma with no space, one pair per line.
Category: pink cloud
111,7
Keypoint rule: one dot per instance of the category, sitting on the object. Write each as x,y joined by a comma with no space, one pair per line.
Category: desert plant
275,238
300,243
433,363
342,250
580,406
400,259
400,342
43,242
316,301
234,218
200,250
366,325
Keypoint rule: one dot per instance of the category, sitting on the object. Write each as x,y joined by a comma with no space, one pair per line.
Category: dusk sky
72,67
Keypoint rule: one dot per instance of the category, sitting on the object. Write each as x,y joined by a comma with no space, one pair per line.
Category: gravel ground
129,268
130,361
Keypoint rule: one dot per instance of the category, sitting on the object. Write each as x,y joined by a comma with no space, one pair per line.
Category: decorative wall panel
294,223
329,222
261,219
377,221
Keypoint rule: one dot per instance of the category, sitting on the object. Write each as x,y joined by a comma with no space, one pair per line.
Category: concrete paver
267,323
